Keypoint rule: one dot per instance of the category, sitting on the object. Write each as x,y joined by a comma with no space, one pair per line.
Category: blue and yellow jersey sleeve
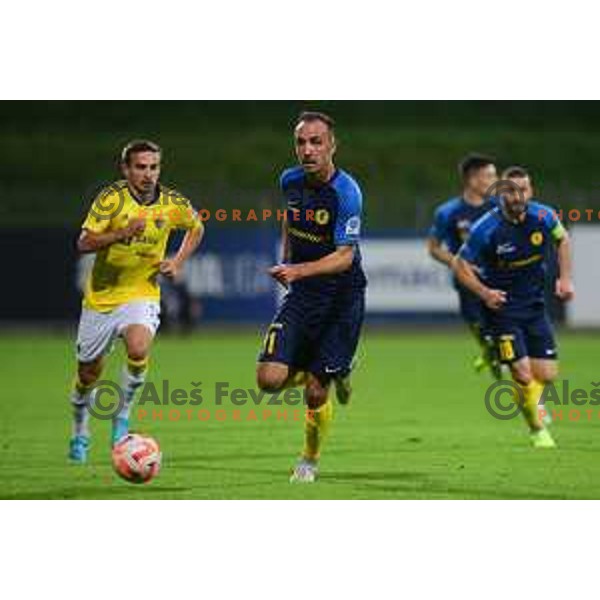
549,220
348,224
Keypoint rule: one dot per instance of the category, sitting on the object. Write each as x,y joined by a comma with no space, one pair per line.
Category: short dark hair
472,163
136,146
515,172
310,116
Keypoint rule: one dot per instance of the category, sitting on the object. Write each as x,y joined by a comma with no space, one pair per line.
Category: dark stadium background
418,425
55,155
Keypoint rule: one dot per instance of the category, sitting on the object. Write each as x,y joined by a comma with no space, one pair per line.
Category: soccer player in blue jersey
510,246
452,223
313,338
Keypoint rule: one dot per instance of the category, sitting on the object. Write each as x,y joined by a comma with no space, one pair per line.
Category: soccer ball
136,458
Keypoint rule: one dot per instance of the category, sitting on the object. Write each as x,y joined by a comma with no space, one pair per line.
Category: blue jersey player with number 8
510,246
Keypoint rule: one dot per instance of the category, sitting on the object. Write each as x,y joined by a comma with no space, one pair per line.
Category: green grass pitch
417,427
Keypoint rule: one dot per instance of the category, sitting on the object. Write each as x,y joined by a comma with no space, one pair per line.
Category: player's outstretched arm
90,241
564,284
466,274
332,264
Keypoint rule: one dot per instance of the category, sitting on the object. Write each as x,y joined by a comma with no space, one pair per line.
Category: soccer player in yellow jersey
128,227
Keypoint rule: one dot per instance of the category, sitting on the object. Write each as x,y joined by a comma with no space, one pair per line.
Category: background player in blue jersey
314,335
451,227
510,244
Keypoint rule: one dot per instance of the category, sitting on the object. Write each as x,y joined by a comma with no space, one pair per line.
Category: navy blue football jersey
320,218
512,256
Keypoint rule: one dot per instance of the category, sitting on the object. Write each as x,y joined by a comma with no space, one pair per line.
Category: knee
271,379
547,374
137,350
138,340
521,374
88,373
316,394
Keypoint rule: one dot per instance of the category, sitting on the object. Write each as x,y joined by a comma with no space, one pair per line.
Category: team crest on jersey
537,238
322,216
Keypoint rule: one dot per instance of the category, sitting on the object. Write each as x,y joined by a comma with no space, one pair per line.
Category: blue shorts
316,335
527,333
471,306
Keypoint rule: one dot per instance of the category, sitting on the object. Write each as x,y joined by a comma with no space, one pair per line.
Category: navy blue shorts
471,306
316,335
516,336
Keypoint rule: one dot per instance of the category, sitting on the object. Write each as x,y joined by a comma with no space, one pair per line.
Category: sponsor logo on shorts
332,371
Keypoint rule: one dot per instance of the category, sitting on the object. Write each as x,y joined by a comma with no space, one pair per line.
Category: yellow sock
296,380
316,428
541,407
531,397
137,367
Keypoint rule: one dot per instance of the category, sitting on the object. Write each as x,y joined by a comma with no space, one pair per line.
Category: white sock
130,384
81,415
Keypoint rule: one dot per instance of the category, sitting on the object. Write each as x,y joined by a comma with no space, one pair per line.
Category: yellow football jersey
128,270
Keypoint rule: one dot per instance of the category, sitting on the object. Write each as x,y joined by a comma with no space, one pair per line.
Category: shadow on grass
108,491
201,459
421,485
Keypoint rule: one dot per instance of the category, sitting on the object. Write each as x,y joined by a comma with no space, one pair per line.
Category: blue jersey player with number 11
314,336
